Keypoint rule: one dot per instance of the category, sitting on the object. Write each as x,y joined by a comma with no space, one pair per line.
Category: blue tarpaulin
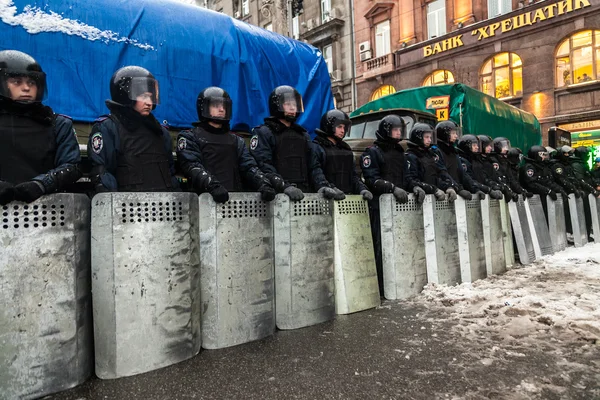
80,44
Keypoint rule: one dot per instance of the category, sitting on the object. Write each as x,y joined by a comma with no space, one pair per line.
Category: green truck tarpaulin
481,114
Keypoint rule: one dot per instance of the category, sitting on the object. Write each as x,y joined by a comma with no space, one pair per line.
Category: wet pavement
397,351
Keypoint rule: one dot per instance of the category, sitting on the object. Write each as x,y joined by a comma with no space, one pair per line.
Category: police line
170,272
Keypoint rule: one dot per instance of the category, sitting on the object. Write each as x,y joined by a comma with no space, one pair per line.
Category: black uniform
131,153
287,152
39,153
337,162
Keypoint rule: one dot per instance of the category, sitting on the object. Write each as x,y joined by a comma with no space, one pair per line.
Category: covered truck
476,112
80,44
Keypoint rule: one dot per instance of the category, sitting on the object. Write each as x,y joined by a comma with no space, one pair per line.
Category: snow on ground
35,20
541,321
558,295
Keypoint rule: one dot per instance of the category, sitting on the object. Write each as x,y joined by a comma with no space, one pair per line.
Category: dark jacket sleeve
103,155
168,143
530,179
414,174
561,178
471,184
371,163
318,179
190,159
67,159
444,178
262,147
248,167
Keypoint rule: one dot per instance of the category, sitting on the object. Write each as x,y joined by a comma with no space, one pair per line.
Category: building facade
540,56
325,24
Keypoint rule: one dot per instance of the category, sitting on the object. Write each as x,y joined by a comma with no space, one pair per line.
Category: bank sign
509,24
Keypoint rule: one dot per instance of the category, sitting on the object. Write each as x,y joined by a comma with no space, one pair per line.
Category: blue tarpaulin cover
80,44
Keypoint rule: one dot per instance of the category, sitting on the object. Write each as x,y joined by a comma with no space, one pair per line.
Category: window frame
449,79
245,8
325,10
386,44
440,19
568,80
330,63
378,93
491,61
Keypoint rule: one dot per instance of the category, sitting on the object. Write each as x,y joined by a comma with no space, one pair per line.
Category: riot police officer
213,158
129,149
383,168
536,177
581,171
39,153
562,172
470,158
499,159
596,173
423,168
335,156
448,133
284,151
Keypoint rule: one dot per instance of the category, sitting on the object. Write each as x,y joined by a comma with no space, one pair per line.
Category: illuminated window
502,76
382,39
439,77
578,58
382,91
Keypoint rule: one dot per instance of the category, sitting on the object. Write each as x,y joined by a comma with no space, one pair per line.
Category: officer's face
143,104
427,137
504,150
340,131
475,147
488,149
217,109
290,107
396,133
22,88
453,136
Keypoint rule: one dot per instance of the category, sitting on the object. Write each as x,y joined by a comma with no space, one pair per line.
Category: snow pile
558,296
34,20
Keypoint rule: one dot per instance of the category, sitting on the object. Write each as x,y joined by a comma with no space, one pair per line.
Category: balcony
378,66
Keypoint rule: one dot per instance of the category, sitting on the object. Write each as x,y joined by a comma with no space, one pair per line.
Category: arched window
502,76
382,91
439,77
578,58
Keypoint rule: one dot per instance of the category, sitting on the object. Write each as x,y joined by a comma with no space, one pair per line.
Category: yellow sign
510,24
578,126
442,114
436,102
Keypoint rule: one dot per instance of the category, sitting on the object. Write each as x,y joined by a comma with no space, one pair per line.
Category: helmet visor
144,87
218,108
22,85
290,103
503,146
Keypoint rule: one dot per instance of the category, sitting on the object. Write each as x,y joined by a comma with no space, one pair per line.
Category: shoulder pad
101,118
64,116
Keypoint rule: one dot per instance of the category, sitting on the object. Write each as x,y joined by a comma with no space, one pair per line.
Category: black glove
331,193
529,194
565,194
219,193
515,197
29,191
480,194
267,193
484,188
401,195
508,194
294,193
7,193
465,194
366,195
451,194
552,195
419,194
496,194
440,195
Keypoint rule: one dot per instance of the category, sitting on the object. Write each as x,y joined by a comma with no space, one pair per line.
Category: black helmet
130,82
564,153
514,155
418,132
551,152
387,124
467,142
282,95
581,153
538,153
15,64
485,141
443,130
500,144
216,97
332,119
